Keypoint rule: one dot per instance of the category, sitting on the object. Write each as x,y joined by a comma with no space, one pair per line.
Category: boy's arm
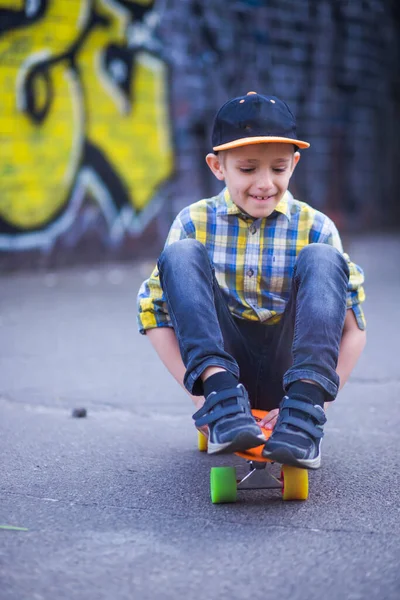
351,346
163,340
152,308
327,233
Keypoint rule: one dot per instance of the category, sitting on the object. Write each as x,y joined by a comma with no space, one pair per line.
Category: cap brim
260,140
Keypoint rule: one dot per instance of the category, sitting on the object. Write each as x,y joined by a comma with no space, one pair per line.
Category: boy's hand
269,421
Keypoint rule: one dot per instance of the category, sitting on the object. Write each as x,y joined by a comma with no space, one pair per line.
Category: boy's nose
265,183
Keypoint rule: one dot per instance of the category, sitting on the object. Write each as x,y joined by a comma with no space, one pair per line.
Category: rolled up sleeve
355,289
152,310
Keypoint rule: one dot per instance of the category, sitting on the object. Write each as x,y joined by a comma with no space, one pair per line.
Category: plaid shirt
253,258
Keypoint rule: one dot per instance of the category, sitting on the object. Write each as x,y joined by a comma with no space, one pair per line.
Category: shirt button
250,272
253,229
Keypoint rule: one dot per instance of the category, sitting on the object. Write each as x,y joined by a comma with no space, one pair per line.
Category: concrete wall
106,108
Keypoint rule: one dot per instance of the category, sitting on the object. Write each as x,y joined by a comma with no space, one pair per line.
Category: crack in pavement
208,520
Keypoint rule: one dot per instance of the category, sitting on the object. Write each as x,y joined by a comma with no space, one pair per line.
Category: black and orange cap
254,119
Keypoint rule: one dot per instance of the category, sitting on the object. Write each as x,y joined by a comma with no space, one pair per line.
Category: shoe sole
241,442
285,457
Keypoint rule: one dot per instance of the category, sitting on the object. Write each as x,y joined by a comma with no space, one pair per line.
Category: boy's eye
252,169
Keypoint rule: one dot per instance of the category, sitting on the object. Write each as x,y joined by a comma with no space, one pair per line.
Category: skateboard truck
259,478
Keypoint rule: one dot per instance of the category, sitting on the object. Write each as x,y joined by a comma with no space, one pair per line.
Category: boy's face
257,176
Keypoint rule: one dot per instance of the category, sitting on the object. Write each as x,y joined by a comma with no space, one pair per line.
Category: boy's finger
271,424
269,421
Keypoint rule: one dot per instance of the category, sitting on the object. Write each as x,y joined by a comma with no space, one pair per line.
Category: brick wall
335,62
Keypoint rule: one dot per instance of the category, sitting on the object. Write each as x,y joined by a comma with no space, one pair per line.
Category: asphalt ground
116,505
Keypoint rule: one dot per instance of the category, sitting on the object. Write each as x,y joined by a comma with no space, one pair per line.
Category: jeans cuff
192,381
331,387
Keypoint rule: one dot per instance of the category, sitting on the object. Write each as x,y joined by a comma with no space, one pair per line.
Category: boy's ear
215,164
296,158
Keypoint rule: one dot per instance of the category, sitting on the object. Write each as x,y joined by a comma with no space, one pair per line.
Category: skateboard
224,484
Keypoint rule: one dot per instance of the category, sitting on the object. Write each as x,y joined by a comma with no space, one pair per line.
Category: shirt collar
227,206
283,205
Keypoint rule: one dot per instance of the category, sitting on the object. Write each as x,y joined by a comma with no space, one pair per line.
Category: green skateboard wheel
223,486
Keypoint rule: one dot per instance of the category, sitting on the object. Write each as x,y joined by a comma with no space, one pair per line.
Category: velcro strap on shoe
203,415
310,428
216,414
305,407
215,399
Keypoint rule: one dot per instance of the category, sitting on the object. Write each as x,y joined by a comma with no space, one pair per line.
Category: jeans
265,358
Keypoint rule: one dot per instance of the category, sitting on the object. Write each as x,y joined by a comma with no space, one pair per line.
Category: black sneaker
232,427
296,439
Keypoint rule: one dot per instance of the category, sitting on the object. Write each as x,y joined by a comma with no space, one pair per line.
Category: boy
253,303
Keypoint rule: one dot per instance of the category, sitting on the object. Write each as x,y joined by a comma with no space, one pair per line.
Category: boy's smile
257,176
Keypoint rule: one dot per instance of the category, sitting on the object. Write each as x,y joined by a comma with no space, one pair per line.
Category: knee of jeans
182,251
321,255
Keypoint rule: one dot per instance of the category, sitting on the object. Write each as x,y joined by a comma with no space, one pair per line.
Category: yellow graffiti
14,4
135,136
54,33
42,149
38,162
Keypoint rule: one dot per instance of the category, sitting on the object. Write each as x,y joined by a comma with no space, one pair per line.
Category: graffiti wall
84,118
106,109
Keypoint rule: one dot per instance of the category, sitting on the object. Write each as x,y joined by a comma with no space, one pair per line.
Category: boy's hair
254,119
